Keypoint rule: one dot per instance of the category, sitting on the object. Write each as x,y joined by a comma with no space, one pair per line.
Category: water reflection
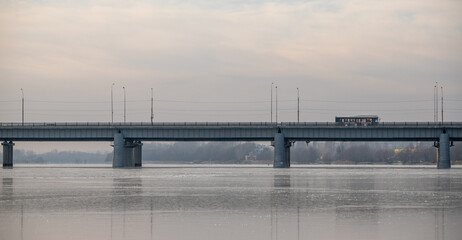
22,221
127,187
7,188
126,197
7,200
280,198
439,223
443,184
282,181
286,201
152,219
230,203
356,206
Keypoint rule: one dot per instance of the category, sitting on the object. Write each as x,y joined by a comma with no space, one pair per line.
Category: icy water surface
230,203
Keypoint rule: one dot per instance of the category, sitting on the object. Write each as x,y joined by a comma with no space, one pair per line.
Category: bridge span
127,137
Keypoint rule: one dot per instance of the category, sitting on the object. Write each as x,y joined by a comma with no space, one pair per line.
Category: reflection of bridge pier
7,187
125,197
355,209
7,193
281,198
443,184
439,223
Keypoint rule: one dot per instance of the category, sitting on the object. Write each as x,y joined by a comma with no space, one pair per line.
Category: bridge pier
132,153
443,160
7,154
119,153
137,154
281,151
127,153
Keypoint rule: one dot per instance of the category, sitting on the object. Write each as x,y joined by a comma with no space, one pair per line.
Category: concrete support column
137,154
281,151
7,154
119,150
287,146
444,160
132,153
127,153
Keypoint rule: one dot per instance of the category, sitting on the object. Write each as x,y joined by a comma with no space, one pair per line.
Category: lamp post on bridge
152,107
272,102
125,106
22,96
298,106
276,105
112,103
434,103
442,116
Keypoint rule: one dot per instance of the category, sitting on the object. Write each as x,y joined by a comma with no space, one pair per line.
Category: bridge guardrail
385,124
135,124
222,124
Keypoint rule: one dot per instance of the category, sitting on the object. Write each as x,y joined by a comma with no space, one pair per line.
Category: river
230,202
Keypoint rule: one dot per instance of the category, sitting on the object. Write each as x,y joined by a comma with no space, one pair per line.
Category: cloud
337,47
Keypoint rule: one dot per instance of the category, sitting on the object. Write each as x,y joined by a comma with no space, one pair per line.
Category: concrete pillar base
281,151
127,153
137,154
133,153
118,159
7,154
443,157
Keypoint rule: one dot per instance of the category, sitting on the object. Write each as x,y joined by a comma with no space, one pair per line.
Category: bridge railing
386,124
138,124
224,124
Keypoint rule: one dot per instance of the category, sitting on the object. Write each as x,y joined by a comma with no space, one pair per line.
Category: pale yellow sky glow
215,60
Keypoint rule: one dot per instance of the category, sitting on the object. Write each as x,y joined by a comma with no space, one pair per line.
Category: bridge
127,137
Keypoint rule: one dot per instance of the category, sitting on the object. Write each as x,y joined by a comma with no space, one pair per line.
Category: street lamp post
152,107
272,102
298,106
22,96
276,105
125,106
442,116
435,104
112,104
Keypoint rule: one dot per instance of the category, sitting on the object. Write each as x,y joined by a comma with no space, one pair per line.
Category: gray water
230,202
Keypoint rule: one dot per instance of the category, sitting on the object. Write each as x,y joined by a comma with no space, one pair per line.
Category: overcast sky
215,60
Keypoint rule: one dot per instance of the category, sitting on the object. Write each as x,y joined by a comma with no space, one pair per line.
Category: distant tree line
210,152
301,152
58,157
351,153
249,152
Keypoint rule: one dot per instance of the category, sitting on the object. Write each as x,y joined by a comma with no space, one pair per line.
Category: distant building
398,151
250,157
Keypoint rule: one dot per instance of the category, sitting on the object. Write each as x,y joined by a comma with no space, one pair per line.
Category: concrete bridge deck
231,131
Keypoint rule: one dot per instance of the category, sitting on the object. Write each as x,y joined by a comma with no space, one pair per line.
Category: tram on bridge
359,120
